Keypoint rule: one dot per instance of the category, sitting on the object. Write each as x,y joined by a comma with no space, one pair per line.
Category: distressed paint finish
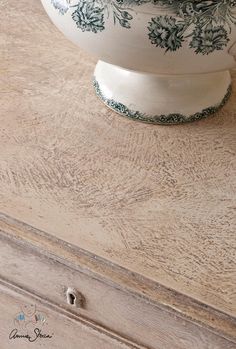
157,201
142,311
61,325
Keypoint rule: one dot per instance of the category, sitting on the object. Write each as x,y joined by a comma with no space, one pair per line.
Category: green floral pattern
166,32
88,16
203,25
159,119
61,5
207,40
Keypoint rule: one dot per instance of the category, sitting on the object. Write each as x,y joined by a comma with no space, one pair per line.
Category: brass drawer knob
74,298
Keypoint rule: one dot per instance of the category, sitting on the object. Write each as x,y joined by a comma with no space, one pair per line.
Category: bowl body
163,37
157,37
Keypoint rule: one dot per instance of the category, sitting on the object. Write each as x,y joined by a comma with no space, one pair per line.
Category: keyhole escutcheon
74,297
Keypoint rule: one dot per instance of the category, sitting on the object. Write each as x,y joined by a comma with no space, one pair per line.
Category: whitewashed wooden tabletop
158,201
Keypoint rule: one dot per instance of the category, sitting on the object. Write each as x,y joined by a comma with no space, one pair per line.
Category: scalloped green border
159,119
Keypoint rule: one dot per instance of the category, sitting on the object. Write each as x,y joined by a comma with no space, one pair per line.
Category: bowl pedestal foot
161,99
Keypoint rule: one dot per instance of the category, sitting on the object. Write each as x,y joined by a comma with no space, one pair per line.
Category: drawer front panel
104,303
27,323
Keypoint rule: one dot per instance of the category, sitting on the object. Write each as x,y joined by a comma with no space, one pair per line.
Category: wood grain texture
158,201
67,330
136,309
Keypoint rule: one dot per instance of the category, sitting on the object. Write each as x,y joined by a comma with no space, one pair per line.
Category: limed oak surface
63,330
158,201
138,310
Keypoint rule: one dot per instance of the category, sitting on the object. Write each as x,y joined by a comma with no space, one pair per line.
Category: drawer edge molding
94,327
137,285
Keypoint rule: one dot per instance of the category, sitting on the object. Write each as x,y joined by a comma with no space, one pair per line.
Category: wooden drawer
56,330
130,315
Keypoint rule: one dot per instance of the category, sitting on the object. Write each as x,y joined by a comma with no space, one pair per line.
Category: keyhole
72,298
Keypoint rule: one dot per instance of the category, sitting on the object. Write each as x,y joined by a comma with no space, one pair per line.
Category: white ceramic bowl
161,61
